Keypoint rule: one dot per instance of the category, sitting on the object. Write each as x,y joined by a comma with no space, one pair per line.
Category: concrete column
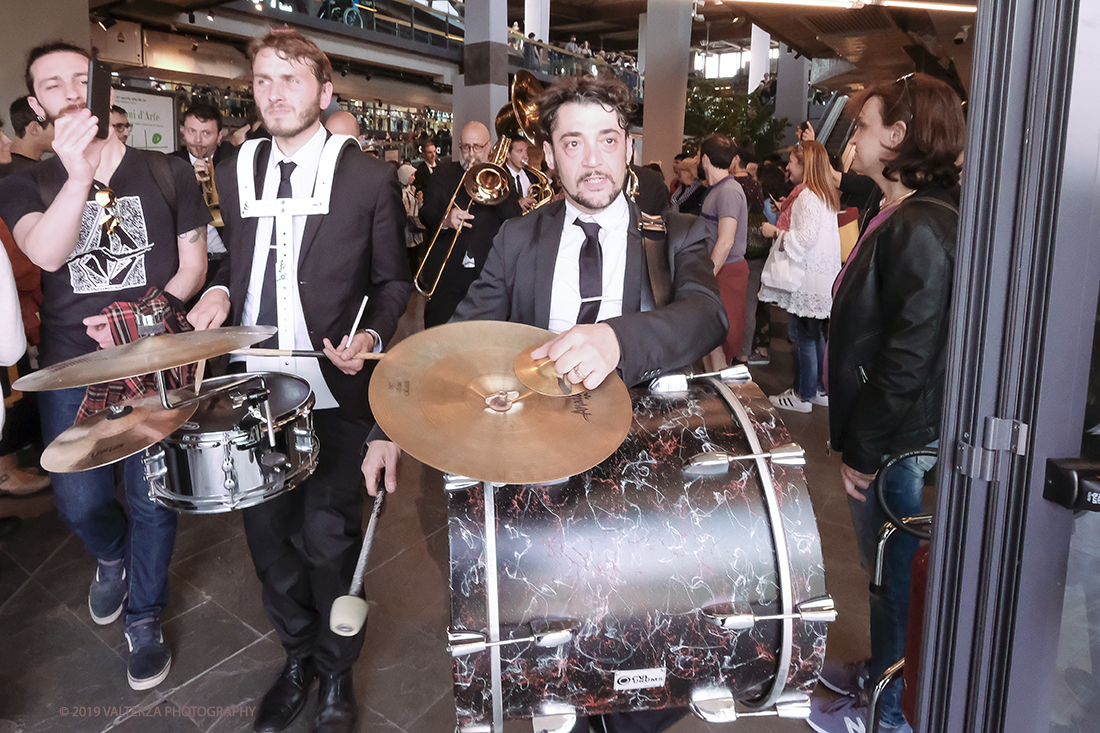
759,56
536,19
791,91
483,88
643,25
666,57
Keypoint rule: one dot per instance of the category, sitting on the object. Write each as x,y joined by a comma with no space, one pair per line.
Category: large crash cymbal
449,396
115,433
144,356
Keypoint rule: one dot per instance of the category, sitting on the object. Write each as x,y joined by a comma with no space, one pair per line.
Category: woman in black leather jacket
887,347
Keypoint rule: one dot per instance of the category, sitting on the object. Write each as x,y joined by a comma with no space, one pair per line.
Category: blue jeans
904,491
808,338
86,503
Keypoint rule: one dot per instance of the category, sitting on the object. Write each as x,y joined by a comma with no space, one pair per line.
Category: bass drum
641,584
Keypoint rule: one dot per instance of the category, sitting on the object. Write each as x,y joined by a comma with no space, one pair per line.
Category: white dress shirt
302,180
524,179
565,295
214,244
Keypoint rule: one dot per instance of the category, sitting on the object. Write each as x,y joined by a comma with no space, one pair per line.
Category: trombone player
476,223
202,122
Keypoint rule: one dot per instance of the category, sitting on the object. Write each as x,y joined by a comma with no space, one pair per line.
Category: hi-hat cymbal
541,376
115,433
449,396
144,356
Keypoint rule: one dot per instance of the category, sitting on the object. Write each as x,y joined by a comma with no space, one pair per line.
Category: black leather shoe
287,696
336,708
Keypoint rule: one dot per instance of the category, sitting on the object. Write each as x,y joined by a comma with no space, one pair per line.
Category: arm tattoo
197,234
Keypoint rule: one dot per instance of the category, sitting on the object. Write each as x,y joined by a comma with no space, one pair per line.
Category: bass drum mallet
349,612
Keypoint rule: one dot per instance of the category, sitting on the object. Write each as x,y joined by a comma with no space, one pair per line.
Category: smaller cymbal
540,376
115,433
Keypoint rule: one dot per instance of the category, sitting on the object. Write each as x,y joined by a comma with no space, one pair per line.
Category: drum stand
260,395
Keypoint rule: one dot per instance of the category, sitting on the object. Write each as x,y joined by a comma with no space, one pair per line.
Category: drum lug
474,728
738,615
715,463
714,704
155,468
303,440
554,717
547,633
793,705
453,483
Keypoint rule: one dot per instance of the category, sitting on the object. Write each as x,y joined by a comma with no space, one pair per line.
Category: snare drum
639,585
222,459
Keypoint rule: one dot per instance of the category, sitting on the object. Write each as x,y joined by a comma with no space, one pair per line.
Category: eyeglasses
122,126
472,148
107,198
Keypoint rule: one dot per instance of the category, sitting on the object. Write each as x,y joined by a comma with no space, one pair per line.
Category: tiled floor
61,672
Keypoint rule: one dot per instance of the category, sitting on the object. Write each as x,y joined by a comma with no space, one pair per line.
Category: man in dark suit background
579,268
304,543
426,168
478,224
199,130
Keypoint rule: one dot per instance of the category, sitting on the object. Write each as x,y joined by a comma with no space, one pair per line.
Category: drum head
218,414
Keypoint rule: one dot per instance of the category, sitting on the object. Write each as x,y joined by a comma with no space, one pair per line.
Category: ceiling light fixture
259,6
106,22
191,17
942,7
210,15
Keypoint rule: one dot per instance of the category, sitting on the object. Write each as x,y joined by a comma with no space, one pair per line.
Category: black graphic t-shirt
119,264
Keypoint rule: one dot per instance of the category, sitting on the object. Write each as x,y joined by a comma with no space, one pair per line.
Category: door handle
1073,483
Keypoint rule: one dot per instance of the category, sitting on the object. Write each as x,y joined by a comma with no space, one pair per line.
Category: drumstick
199,369
298,353
355,326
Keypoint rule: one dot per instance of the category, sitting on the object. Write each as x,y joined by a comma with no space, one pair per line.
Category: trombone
489,183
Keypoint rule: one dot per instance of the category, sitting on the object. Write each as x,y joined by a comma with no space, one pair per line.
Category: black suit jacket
516,283
475,241
424,175
357,249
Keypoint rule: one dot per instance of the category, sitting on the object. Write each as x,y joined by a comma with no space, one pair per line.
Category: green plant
735,114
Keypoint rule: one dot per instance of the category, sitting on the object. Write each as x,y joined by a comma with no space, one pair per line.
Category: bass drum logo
639,679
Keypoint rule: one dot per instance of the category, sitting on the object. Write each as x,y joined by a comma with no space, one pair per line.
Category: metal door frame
1025,296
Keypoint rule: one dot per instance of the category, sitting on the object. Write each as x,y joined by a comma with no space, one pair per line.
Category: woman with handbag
800,270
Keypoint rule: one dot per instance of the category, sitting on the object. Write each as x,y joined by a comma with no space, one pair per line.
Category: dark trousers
443,303
305,544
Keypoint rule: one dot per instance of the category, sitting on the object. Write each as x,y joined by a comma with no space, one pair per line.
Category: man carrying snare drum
309,277
597,294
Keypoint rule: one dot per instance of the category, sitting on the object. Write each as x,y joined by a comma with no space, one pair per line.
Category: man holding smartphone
106,223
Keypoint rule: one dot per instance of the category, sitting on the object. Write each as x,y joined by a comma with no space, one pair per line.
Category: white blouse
814,242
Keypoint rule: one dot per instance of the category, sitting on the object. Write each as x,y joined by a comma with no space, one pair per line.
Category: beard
597,201
289,126
53,117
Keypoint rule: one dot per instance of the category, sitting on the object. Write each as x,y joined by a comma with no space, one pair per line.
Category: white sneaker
790,400
821,398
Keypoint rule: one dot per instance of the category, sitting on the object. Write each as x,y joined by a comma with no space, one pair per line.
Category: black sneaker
150,659
108,593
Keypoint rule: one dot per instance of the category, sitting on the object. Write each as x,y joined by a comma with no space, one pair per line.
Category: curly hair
604,90
935,129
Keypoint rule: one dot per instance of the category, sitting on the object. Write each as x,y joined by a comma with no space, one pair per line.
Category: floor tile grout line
32,573
164,695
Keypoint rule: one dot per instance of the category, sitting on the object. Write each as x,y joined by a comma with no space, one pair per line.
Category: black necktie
268,313
591,272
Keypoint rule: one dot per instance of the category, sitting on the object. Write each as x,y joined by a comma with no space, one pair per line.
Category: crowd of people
101,222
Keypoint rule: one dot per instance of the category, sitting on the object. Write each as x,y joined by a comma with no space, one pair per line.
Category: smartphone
99,95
